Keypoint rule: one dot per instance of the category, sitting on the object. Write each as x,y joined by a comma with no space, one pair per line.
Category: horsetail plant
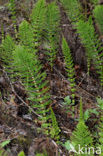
12,8
27,64
34,80
81,135
73,9
23,60
87,34
55,130
52,29
38,21
70,68
29,67
98,14
93,46
7,47
26,35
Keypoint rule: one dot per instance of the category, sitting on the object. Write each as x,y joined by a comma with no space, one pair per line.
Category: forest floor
20,126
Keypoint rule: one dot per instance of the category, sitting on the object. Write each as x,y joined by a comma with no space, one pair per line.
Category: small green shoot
100,102
88,113
67,101
4,143
21,153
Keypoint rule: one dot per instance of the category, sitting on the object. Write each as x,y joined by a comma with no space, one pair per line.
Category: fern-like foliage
52,29
38,21
81,135
73,9
55,130
30,69
26,35
23,61
93,46
69,67
98,14
7,47
45,22
33,77
12,8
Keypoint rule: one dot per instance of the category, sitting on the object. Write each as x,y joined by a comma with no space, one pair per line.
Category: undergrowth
70,69
38,16
98,14
73,9
41,34
12,8
52,32
93,46
81,135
